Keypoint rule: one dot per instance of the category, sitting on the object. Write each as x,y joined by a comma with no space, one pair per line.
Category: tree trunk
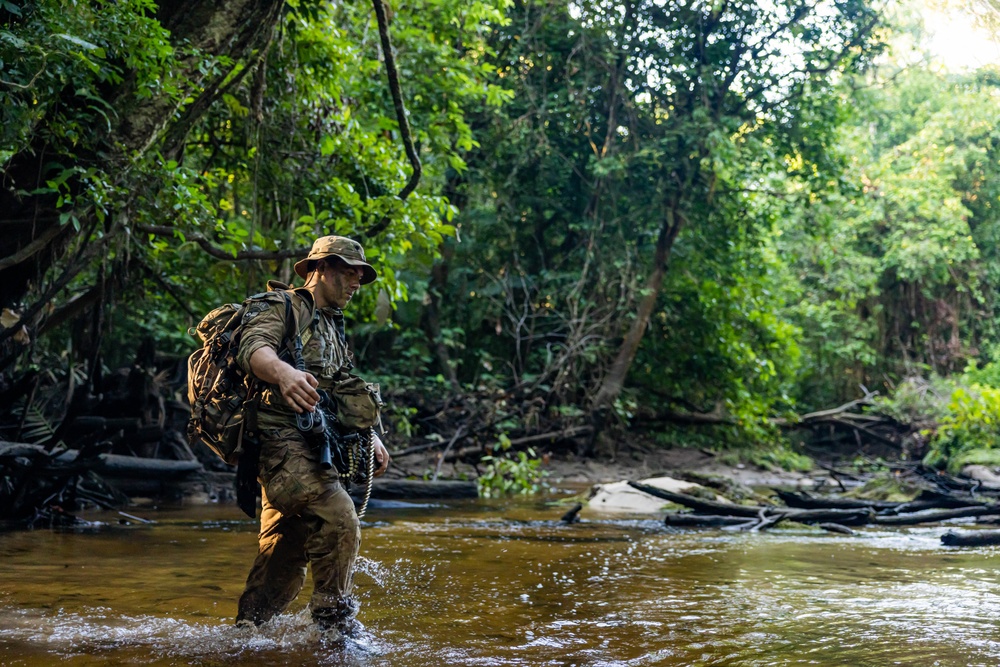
614,381
431,320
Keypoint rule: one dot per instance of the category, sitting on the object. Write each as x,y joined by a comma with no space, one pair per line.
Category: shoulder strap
292,338
306,297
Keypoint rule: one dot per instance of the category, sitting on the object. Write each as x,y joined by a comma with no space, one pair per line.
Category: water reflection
479,583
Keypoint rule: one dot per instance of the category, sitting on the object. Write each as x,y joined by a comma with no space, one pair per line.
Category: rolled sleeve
263,326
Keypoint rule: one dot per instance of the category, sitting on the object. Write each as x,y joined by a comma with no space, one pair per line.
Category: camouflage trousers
307,519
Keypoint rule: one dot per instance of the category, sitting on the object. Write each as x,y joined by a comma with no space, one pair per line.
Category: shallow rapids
505,583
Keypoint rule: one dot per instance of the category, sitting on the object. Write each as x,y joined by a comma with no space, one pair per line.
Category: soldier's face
338,283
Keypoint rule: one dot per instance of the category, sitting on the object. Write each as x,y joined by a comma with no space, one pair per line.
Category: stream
479,582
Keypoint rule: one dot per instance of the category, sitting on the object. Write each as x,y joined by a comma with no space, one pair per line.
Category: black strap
247,486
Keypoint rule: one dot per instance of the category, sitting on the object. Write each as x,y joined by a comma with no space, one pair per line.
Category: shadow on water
480,583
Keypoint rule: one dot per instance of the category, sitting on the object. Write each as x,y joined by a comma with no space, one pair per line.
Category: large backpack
222,396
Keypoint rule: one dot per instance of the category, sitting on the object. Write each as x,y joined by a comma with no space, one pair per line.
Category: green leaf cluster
511,473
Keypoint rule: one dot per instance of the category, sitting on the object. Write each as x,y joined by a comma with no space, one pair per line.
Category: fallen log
554,436
118,465
979,538
846,517
836,528
806,501
847,512
927,504
933,516
926,501
409,489
691,520
697,504
769,518
858,516
832,412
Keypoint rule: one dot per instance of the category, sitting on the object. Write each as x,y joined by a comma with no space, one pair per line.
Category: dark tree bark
614,381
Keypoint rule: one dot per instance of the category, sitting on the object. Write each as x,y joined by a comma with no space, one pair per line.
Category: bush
969,431
916,400
511,473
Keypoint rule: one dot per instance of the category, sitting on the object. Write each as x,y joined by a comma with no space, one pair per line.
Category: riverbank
634,462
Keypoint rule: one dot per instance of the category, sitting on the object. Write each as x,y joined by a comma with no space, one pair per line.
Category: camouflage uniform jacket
324,346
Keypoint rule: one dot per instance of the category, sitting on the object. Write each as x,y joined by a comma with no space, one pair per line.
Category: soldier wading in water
307,516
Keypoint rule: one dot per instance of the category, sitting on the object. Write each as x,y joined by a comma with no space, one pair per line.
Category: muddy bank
633,463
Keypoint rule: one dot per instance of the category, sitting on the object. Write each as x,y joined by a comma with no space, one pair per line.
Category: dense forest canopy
709,216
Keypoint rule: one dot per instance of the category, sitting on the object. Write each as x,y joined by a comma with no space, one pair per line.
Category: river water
505,583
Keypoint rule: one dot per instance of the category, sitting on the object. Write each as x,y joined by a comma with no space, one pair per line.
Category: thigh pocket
286,492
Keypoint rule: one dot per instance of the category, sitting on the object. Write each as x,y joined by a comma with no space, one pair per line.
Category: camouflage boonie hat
350,251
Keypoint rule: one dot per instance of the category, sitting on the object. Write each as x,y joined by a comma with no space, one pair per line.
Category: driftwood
697,504
836,528
769,518
408,489
845,517
934,516
117,465
805,501
839,410
833,514
979,538
928,500
688,519
856,516
763,516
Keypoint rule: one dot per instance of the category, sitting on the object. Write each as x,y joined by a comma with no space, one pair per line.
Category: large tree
705,79
638,128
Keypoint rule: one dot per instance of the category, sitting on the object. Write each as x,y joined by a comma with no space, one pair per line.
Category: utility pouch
358,403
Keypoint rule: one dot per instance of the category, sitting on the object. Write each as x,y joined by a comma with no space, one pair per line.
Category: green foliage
988,375
781,458
888,254
87,47
969,432
838,223
729,347
309,146
610,136
916,400
886,486
399,418
511,473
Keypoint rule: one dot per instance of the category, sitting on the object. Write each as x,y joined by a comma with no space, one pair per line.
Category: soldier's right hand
299,390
